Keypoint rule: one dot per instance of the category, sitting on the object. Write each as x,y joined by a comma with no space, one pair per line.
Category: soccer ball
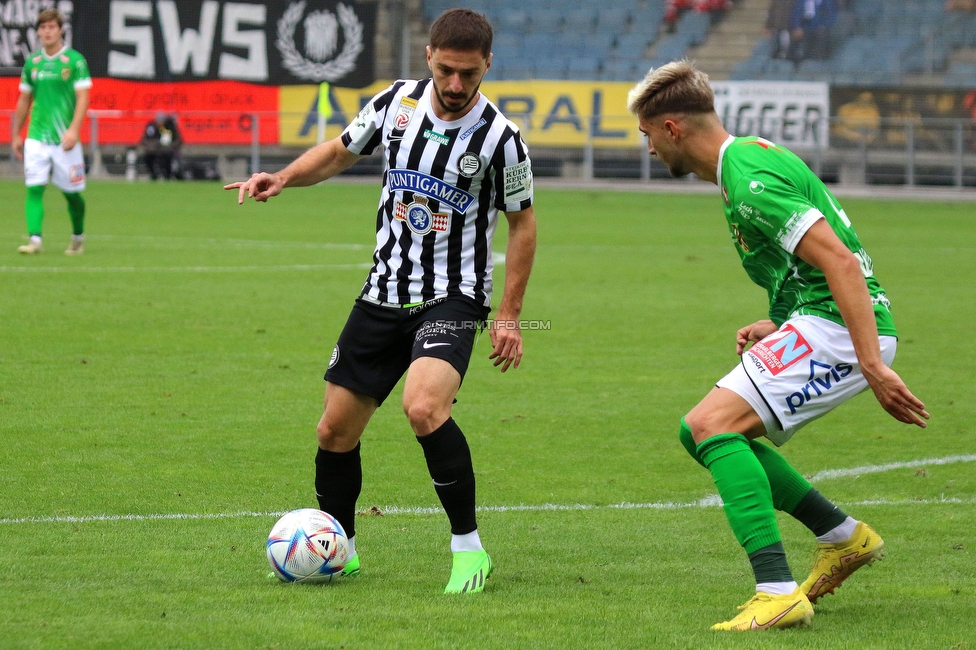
307,545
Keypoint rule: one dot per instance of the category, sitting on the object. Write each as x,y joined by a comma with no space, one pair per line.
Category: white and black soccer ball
307,545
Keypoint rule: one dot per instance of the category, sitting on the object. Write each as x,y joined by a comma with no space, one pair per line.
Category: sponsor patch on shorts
780,350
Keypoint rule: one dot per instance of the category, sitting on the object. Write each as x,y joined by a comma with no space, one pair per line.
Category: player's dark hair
678,87
463,30
47,15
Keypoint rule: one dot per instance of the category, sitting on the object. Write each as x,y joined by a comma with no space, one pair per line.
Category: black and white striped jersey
443,185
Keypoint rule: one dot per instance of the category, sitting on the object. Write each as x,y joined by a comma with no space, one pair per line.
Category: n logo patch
782,349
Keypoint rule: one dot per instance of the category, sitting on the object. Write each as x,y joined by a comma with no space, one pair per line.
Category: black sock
769,564
449,463
338,482
817,513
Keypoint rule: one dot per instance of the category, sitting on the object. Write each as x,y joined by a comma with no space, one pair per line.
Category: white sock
78,237
841,533
352,546
35,239
469,542
777,588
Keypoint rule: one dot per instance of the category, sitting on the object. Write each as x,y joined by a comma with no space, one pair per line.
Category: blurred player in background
55,81
829,337
452,161
161,143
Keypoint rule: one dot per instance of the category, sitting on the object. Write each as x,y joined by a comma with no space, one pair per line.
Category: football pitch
159,396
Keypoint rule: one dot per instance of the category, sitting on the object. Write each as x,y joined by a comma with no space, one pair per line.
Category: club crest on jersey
408,180
404,112
419,218
780,350
469,164
65,74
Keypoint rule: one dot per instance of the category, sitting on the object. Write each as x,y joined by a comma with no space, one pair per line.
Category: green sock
791,493
76,209
788,485
769,564
744,488
817,513
35,209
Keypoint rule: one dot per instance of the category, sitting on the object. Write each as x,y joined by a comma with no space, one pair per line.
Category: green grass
176,368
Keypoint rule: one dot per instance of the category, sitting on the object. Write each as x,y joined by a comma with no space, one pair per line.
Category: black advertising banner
878,116
268,42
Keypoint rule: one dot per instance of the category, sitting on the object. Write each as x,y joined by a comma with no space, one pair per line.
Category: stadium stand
868,41
608,43
882,43
534,40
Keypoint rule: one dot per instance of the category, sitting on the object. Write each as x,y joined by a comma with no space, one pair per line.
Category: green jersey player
829,336
55,81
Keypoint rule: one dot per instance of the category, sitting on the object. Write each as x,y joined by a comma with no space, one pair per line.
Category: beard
462,100
678,168
678,171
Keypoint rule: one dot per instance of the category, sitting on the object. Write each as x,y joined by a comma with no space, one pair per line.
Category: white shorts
68,166
800,372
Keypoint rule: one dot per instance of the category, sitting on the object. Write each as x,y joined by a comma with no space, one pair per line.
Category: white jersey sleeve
364,134
513,175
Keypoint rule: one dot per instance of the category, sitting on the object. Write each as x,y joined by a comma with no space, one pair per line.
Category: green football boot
469,571
351,570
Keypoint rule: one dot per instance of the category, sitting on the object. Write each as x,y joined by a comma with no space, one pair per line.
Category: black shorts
379,343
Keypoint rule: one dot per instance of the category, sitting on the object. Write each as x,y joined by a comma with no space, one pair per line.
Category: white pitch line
711,501
181,269
707,502
874,469
212,242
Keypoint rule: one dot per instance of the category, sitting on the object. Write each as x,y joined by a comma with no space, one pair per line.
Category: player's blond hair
678,87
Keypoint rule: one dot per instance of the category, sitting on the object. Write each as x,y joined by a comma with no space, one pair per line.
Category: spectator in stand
810,27
161,143
778,23
674,8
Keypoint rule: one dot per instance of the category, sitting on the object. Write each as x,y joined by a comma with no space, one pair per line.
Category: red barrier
208,112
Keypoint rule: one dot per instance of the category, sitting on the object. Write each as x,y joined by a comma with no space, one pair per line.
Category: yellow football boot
766,611
836,562
30,248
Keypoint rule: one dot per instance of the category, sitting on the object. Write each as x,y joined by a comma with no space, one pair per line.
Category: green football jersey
53,81
771,199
